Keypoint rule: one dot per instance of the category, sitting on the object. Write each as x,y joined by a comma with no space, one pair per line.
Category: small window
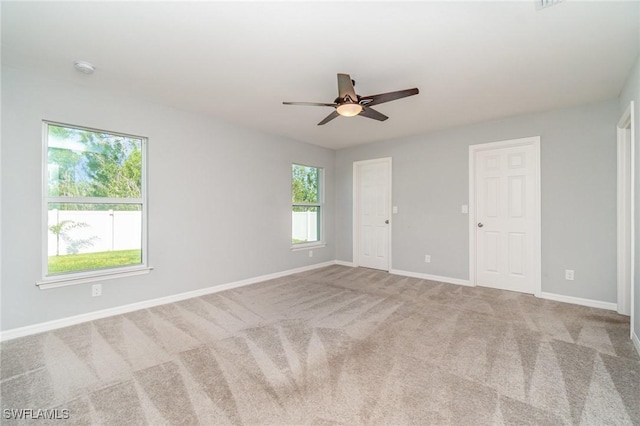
306,209
94,202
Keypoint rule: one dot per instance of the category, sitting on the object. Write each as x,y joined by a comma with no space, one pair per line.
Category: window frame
320,205
78,277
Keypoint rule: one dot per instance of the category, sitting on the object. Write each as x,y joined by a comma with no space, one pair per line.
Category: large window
306,205
94,202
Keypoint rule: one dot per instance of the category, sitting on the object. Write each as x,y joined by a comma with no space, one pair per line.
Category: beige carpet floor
336,345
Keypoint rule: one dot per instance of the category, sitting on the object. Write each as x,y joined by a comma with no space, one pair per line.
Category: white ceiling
472,61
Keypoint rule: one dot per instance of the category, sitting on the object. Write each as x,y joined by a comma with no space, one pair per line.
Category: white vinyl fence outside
121,230
304,226
105,231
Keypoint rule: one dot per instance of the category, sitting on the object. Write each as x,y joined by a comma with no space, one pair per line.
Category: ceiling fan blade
309,104
328,118
345,87
372,113
386,97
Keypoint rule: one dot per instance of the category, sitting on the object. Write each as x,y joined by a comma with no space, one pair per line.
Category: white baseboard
90,316
343,263
578,301
437,278
636,342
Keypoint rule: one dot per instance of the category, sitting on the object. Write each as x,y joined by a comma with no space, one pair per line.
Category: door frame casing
625,205
356,209
537,246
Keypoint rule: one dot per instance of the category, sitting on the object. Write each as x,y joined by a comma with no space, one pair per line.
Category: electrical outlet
427,258
568,274
96,290
310,253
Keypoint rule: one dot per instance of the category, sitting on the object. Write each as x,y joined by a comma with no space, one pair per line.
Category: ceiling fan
349,104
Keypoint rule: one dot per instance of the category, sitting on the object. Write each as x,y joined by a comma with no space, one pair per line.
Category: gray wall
224,176
430,184
631,92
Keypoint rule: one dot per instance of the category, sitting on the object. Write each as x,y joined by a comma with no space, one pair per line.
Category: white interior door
373,190
505,215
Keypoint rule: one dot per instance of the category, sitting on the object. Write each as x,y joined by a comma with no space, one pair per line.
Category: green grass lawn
83,262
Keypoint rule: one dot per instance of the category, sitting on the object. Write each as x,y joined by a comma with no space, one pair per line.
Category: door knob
386,221
480,225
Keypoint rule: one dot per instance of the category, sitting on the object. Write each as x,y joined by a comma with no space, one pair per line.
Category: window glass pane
84,163
84,237
304,184
305,224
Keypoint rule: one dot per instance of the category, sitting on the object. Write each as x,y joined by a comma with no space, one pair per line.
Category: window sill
63,281
307,246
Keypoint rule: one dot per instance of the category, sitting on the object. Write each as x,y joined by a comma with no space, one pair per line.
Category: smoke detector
84,67
542,4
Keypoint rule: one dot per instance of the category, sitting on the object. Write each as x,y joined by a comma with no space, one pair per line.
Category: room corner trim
636,342
344,263
578,301
90,316
429,277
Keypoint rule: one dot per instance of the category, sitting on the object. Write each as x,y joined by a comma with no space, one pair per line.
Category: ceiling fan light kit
350,104
349,110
